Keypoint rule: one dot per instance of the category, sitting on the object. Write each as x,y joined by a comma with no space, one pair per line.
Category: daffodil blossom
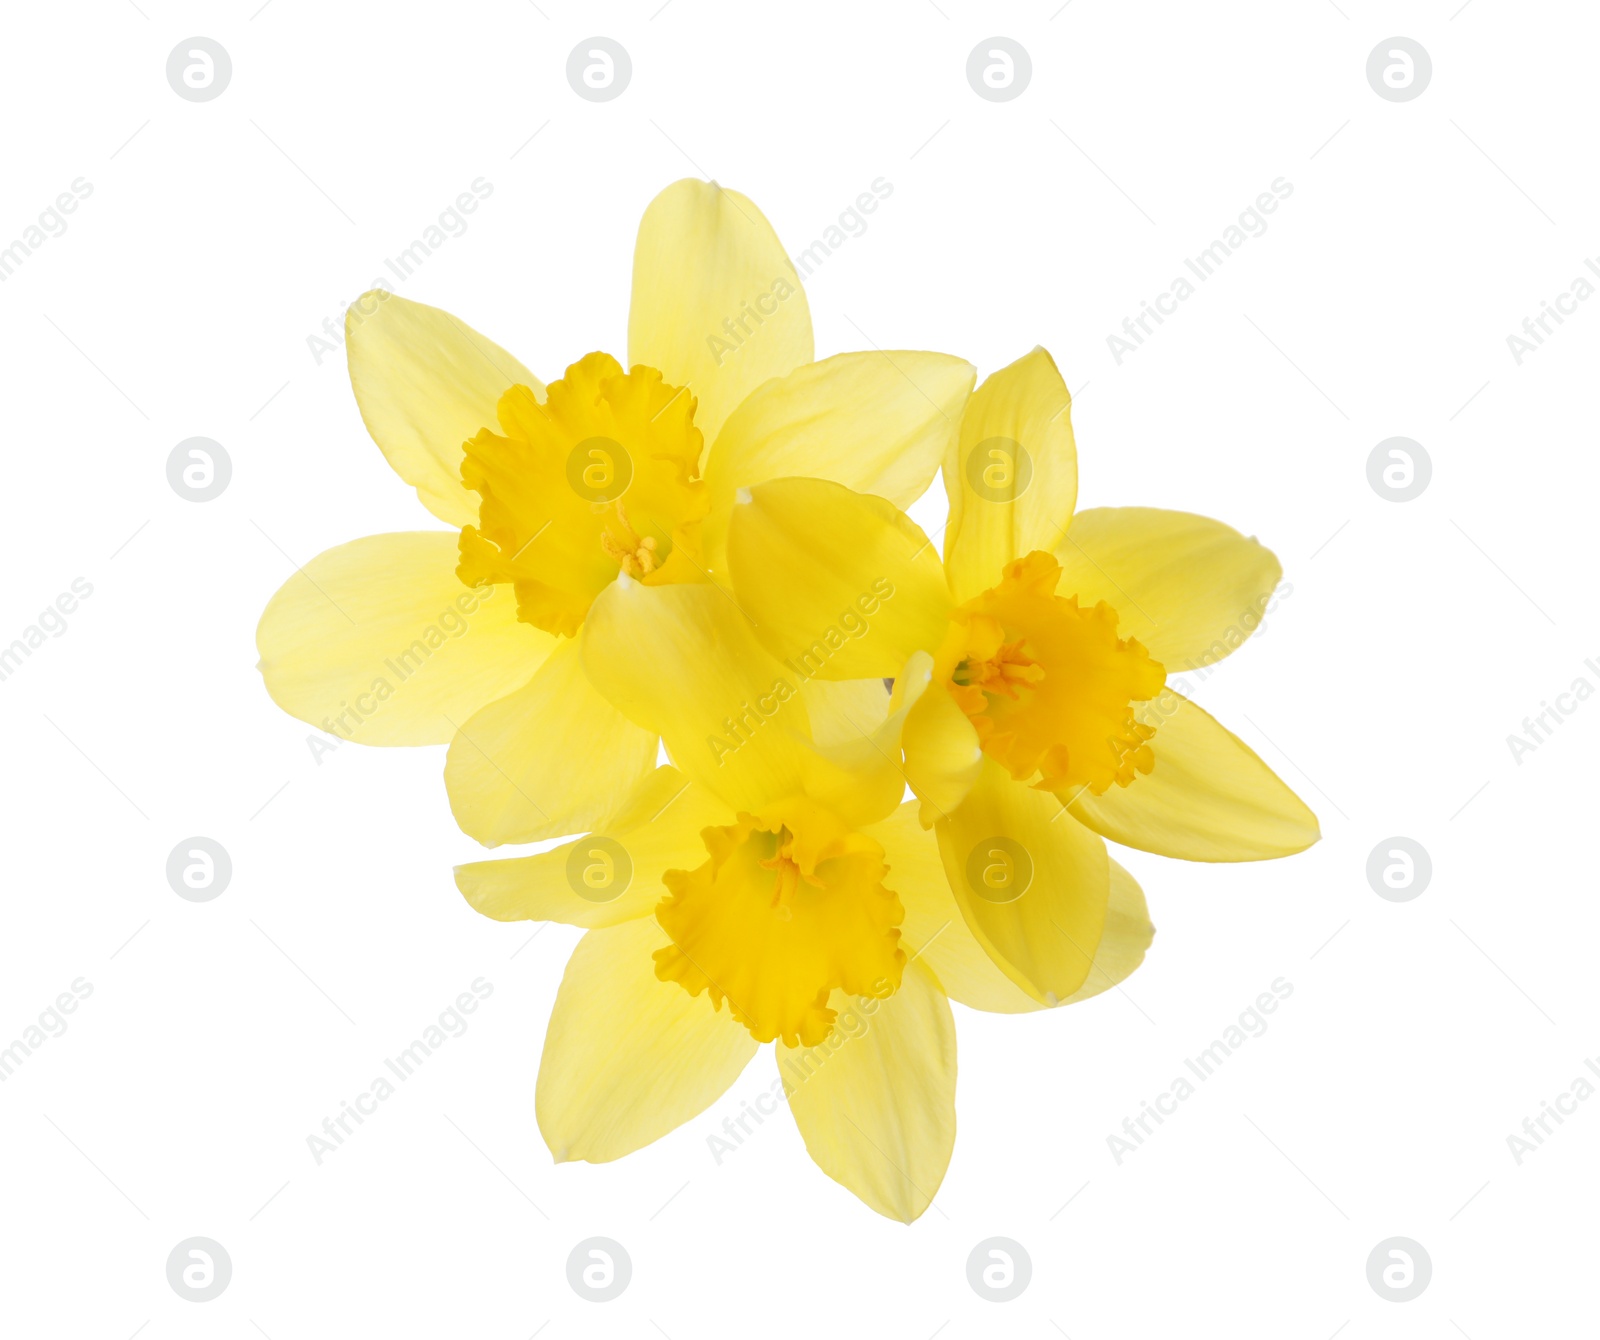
745,899
475,636
1031,664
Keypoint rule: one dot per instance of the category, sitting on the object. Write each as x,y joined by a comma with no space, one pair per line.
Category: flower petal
875,1100
682,660
1007,837
607,877
942,755
1190,588
377,641
552,758
1210,798
877,422
628,1057
717,306
842,585
426,382
858,774
843,710
935,932
1014,480
1127,936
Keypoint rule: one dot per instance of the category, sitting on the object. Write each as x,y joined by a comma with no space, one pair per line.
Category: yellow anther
1049,685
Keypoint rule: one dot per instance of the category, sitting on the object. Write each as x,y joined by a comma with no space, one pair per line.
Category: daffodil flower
1031,669
474,636
775,891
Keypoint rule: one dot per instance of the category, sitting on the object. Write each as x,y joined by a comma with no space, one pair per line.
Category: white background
1418,636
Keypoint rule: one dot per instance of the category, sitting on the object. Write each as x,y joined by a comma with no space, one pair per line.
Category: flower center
789,908
1001,672
789,876
635,556
601,478
1050,686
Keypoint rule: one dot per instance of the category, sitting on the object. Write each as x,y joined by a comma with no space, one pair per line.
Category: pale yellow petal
940,747
425,382
875,1100
1014,479
1210,798
552,758
1127,936
841,585
377,641
935,932
682,660
844,709
1031,883
1189,588
860,775
717,306
878,422
628,1057
607,877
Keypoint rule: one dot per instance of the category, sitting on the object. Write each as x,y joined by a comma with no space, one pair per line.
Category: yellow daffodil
474,636
771,889
705,553
1031,668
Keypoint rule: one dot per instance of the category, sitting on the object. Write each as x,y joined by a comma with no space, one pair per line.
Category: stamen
634,556
1049,685
532,472
787,910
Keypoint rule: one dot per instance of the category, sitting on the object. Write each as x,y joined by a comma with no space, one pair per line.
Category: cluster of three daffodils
705,555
